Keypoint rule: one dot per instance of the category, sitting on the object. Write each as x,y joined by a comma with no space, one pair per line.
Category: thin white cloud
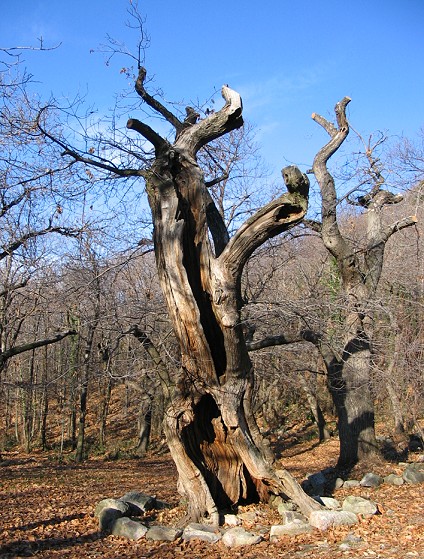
279,87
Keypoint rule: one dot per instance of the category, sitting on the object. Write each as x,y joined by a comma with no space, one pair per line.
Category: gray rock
351,483
338,483
329,503
286,505
349,542
163,533
413,475
352,539
359,505
108,511
195,531
128,528
116,504
371,480
107,519
236,537
325,519
249,516
292,529
288,516
231,520
393,479
139,502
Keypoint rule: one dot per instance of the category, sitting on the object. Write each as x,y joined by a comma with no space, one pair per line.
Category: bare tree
360,269
32,207
215,442
210,429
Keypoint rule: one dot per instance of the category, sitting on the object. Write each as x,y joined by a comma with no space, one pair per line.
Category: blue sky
286,58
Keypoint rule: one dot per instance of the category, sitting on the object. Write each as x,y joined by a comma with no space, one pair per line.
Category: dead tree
349,365
220,455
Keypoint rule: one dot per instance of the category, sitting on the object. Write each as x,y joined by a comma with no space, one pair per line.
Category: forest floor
47,511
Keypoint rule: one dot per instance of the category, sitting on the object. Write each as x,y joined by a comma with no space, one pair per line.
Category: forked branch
398,226
331,235
144,129
154,103
274,218
215,125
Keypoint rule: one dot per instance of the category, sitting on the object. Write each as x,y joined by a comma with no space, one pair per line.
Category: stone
128,528
108,511
139,502
325,519
249,516
371,480
163,533
286,505
352,539
291,529
393,479
236,537
116,504
338,483
107,519
195,531
351,483
359,505
288,516
329,503
231,520
413,475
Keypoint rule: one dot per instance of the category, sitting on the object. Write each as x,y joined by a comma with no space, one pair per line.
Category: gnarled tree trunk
212,434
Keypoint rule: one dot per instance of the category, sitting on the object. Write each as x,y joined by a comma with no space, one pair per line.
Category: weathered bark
214,440
349,366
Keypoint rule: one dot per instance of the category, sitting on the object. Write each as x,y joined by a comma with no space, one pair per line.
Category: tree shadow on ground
49,522
290,441
26,548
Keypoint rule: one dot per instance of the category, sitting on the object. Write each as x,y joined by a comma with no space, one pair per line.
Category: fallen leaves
47,512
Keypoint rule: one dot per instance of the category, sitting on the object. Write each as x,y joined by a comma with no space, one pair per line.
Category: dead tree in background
349,366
